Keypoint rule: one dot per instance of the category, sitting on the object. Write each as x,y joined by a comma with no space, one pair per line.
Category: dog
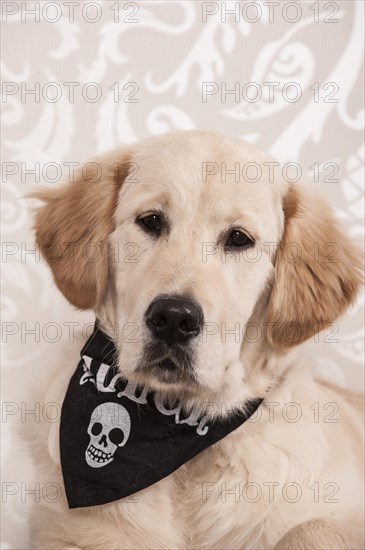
221,274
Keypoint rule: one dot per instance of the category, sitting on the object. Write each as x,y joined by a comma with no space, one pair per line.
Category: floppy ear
318,271
73,226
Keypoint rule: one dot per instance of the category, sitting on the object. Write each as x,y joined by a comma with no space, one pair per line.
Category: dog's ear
73,225
318,271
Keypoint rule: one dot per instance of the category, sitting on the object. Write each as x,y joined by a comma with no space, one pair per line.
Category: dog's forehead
203,171
196,157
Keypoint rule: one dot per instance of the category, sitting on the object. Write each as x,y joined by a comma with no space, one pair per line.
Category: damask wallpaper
80,78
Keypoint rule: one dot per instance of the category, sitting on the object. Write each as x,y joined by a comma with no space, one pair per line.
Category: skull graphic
109,428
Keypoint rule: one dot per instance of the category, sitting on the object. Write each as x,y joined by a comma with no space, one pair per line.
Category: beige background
162,52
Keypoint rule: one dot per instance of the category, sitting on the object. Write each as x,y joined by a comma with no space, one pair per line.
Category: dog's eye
238,239
151,223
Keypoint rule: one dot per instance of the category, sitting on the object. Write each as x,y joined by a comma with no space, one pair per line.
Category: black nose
174,319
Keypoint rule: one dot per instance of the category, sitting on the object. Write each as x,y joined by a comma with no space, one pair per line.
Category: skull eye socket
96,428
116,436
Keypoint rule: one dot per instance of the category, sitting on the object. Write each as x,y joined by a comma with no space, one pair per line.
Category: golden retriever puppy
218,270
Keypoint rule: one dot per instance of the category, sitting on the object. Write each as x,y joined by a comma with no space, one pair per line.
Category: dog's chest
224,496
209,498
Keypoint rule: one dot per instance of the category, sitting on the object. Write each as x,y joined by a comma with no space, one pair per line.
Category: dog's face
188,238
198,259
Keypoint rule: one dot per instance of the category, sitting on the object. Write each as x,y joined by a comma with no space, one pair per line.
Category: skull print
109,428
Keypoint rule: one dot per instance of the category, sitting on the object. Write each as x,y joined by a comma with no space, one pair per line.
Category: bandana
117,438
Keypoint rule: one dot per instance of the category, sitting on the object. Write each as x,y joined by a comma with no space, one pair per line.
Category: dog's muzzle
173,322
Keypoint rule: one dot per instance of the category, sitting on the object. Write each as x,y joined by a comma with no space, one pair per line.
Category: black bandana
117,439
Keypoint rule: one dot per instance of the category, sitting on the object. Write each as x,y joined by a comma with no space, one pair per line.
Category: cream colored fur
235,494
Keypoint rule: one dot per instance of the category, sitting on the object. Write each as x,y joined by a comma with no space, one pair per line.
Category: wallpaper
80,78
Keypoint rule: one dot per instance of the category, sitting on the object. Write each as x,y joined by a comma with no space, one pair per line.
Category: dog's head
190,247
